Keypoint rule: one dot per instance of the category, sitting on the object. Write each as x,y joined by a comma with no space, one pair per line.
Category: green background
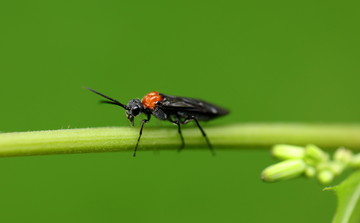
267,61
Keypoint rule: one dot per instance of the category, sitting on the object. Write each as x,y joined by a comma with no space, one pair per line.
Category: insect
177,110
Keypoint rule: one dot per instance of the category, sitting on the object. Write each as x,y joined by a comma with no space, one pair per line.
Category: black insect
177,110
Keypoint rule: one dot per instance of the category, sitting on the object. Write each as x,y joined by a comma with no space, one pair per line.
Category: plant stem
222,137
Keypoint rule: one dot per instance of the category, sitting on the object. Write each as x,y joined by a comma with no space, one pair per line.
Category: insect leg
203,133
177,122
140,133
181,136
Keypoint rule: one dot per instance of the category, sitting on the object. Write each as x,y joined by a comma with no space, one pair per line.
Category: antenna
112,101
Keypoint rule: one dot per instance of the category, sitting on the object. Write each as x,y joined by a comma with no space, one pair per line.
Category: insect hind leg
202,132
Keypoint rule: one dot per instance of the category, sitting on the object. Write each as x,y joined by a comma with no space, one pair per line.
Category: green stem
222,137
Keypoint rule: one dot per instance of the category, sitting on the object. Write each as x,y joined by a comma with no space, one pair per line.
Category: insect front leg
202,132
140,133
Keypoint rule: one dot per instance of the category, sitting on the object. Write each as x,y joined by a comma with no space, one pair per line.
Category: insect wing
176,103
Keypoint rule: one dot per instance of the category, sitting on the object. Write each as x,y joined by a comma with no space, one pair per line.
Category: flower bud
355,161
310,172
285,152
314,155
337,168
343,155
325,176
284,170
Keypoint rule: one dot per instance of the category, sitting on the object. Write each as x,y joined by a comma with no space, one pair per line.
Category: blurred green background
267,61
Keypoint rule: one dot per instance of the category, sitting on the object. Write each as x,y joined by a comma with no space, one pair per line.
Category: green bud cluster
309,161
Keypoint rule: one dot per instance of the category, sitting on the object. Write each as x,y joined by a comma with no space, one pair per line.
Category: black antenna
112,101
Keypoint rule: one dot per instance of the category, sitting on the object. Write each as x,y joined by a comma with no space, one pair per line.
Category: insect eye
135,111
